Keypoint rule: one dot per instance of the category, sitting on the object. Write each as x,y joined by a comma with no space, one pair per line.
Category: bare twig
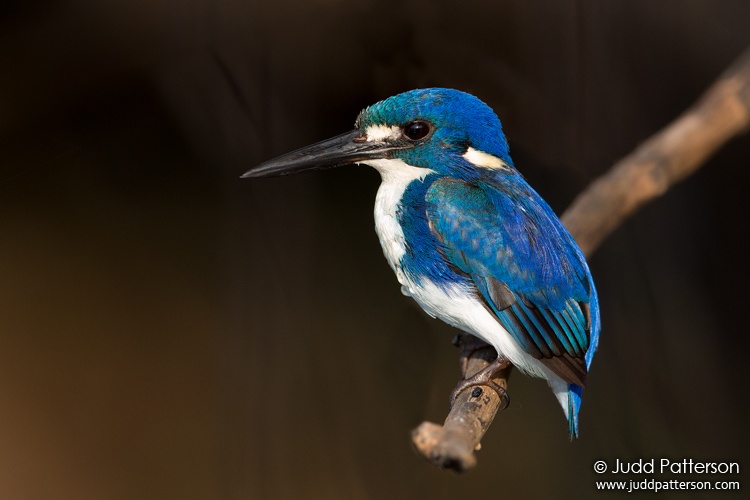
666,158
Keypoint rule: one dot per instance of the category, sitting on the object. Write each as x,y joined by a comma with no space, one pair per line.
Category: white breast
396,175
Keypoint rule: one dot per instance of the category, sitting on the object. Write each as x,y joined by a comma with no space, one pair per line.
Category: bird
467,236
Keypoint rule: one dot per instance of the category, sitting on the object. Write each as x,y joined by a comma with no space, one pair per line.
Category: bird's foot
485,377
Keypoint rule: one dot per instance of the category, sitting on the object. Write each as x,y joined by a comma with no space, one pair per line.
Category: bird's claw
484,377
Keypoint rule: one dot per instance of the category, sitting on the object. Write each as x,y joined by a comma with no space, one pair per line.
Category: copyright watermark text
659,472
666,466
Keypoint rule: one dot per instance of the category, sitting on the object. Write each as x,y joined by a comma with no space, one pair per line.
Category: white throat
396,175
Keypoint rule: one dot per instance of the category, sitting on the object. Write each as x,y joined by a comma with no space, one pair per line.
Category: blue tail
575,391
574,406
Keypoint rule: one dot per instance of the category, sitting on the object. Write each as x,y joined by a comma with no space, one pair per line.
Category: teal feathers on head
460,120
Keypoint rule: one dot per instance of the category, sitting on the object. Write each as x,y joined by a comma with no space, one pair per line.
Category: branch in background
665,159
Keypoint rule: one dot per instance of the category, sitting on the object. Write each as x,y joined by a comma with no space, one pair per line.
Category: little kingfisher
466,235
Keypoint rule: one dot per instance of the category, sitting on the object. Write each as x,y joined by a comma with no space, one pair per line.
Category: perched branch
666,158
452,445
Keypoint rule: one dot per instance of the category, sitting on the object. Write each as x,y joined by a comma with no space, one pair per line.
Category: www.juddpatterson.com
656,485
666,467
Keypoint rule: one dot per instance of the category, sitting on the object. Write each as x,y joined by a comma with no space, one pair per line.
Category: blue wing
525,265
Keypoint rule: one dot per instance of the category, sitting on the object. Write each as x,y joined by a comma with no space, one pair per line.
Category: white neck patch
395,171
484,160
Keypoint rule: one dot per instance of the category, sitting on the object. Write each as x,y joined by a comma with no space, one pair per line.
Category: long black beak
340,150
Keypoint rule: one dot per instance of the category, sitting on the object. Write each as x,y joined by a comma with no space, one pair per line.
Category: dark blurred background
170,331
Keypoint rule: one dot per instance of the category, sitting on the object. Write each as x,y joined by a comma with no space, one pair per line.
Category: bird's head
445,130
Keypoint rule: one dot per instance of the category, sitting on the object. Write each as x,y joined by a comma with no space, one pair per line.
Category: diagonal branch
674,153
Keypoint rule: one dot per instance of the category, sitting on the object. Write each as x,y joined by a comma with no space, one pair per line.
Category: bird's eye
416,130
